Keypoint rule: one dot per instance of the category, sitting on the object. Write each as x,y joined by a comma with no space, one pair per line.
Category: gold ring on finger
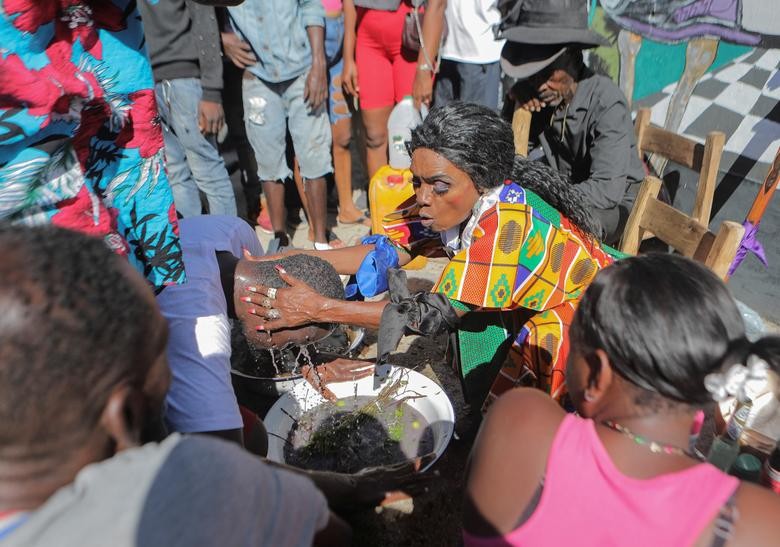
272,293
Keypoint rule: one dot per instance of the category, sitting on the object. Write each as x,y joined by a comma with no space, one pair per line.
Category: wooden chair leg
724,248
632,235
521,128
713,150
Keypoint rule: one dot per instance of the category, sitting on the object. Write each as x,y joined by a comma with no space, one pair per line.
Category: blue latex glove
371,277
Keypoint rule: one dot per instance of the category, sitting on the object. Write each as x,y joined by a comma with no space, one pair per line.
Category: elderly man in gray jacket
581,124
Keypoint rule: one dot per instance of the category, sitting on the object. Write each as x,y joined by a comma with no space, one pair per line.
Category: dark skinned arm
346,260
349,75
316,90
432,26
300,304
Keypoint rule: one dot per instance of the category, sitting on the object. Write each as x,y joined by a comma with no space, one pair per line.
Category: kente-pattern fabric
525,258
81,145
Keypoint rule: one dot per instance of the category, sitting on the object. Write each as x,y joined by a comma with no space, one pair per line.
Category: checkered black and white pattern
741,99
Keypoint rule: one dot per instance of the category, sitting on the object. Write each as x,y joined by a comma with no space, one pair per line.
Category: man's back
184,491
201,396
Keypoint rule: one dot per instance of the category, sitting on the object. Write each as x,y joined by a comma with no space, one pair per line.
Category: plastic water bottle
403,119
754,325
725,447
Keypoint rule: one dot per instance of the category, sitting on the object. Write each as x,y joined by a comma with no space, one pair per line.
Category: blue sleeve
312,13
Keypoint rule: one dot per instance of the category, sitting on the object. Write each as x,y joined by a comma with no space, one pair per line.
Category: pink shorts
385,70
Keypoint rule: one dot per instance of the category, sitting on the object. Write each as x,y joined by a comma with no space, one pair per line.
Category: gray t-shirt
187,491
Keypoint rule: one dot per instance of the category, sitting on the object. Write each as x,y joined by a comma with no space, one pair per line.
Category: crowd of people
126,267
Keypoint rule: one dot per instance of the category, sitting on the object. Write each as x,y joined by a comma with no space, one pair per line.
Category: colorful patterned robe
80,141
526,259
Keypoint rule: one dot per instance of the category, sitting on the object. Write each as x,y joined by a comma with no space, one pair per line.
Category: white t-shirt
470,38
201,397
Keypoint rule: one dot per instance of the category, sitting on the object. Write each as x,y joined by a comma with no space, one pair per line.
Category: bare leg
699,56
375,121
316,197
629,44
274,195
301,190
342,170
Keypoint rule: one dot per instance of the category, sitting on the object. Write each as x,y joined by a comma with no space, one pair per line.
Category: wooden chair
521,127
703,158
684,234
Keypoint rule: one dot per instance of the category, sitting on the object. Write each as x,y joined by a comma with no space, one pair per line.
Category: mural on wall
727,49
701,66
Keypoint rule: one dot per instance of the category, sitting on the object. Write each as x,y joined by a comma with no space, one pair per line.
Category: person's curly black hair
556,190
479,142
72,327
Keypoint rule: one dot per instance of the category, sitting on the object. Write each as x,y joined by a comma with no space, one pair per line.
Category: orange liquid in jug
388,189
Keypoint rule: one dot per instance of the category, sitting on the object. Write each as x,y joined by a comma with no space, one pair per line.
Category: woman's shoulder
522,422
511,412
757,521
509,459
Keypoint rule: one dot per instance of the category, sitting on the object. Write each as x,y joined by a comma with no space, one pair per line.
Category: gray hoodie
183,42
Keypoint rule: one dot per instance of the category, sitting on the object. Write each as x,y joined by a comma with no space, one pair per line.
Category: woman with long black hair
520,248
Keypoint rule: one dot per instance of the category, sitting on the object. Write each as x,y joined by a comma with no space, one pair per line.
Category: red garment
586,500
385,70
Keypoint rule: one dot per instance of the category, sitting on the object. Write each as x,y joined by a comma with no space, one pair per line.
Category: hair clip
738,380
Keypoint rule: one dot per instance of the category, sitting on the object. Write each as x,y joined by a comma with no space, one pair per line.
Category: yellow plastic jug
387,190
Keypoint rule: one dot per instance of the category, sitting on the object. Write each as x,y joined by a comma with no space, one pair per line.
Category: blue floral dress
80,141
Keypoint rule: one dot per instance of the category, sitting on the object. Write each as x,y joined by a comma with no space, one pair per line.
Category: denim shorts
269,110
334,41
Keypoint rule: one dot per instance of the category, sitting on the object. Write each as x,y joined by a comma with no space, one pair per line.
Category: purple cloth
749,244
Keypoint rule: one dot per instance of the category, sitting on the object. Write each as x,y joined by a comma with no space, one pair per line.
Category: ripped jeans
269,109
192,159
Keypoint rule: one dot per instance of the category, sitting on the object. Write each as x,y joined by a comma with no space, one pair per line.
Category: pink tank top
331,6
586,500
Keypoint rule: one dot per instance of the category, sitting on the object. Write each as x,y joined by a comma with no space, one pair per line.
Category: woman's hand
339,370
298,304
263,258
349,78
422,89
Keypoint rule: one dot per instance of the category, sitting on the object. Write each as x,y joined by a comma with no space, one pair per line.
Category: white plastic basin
434,406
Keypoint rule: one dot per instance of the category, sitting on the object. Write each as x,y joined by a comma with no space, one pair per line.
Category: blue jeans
467,82
269,110
192,159
334,41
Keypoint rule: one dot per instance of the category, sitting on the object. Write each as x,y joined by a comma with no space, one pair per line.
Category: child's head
318,273
657,324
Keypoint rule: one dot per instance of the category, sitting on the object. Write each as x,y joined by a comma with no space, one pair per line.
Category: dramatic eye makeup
440,187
